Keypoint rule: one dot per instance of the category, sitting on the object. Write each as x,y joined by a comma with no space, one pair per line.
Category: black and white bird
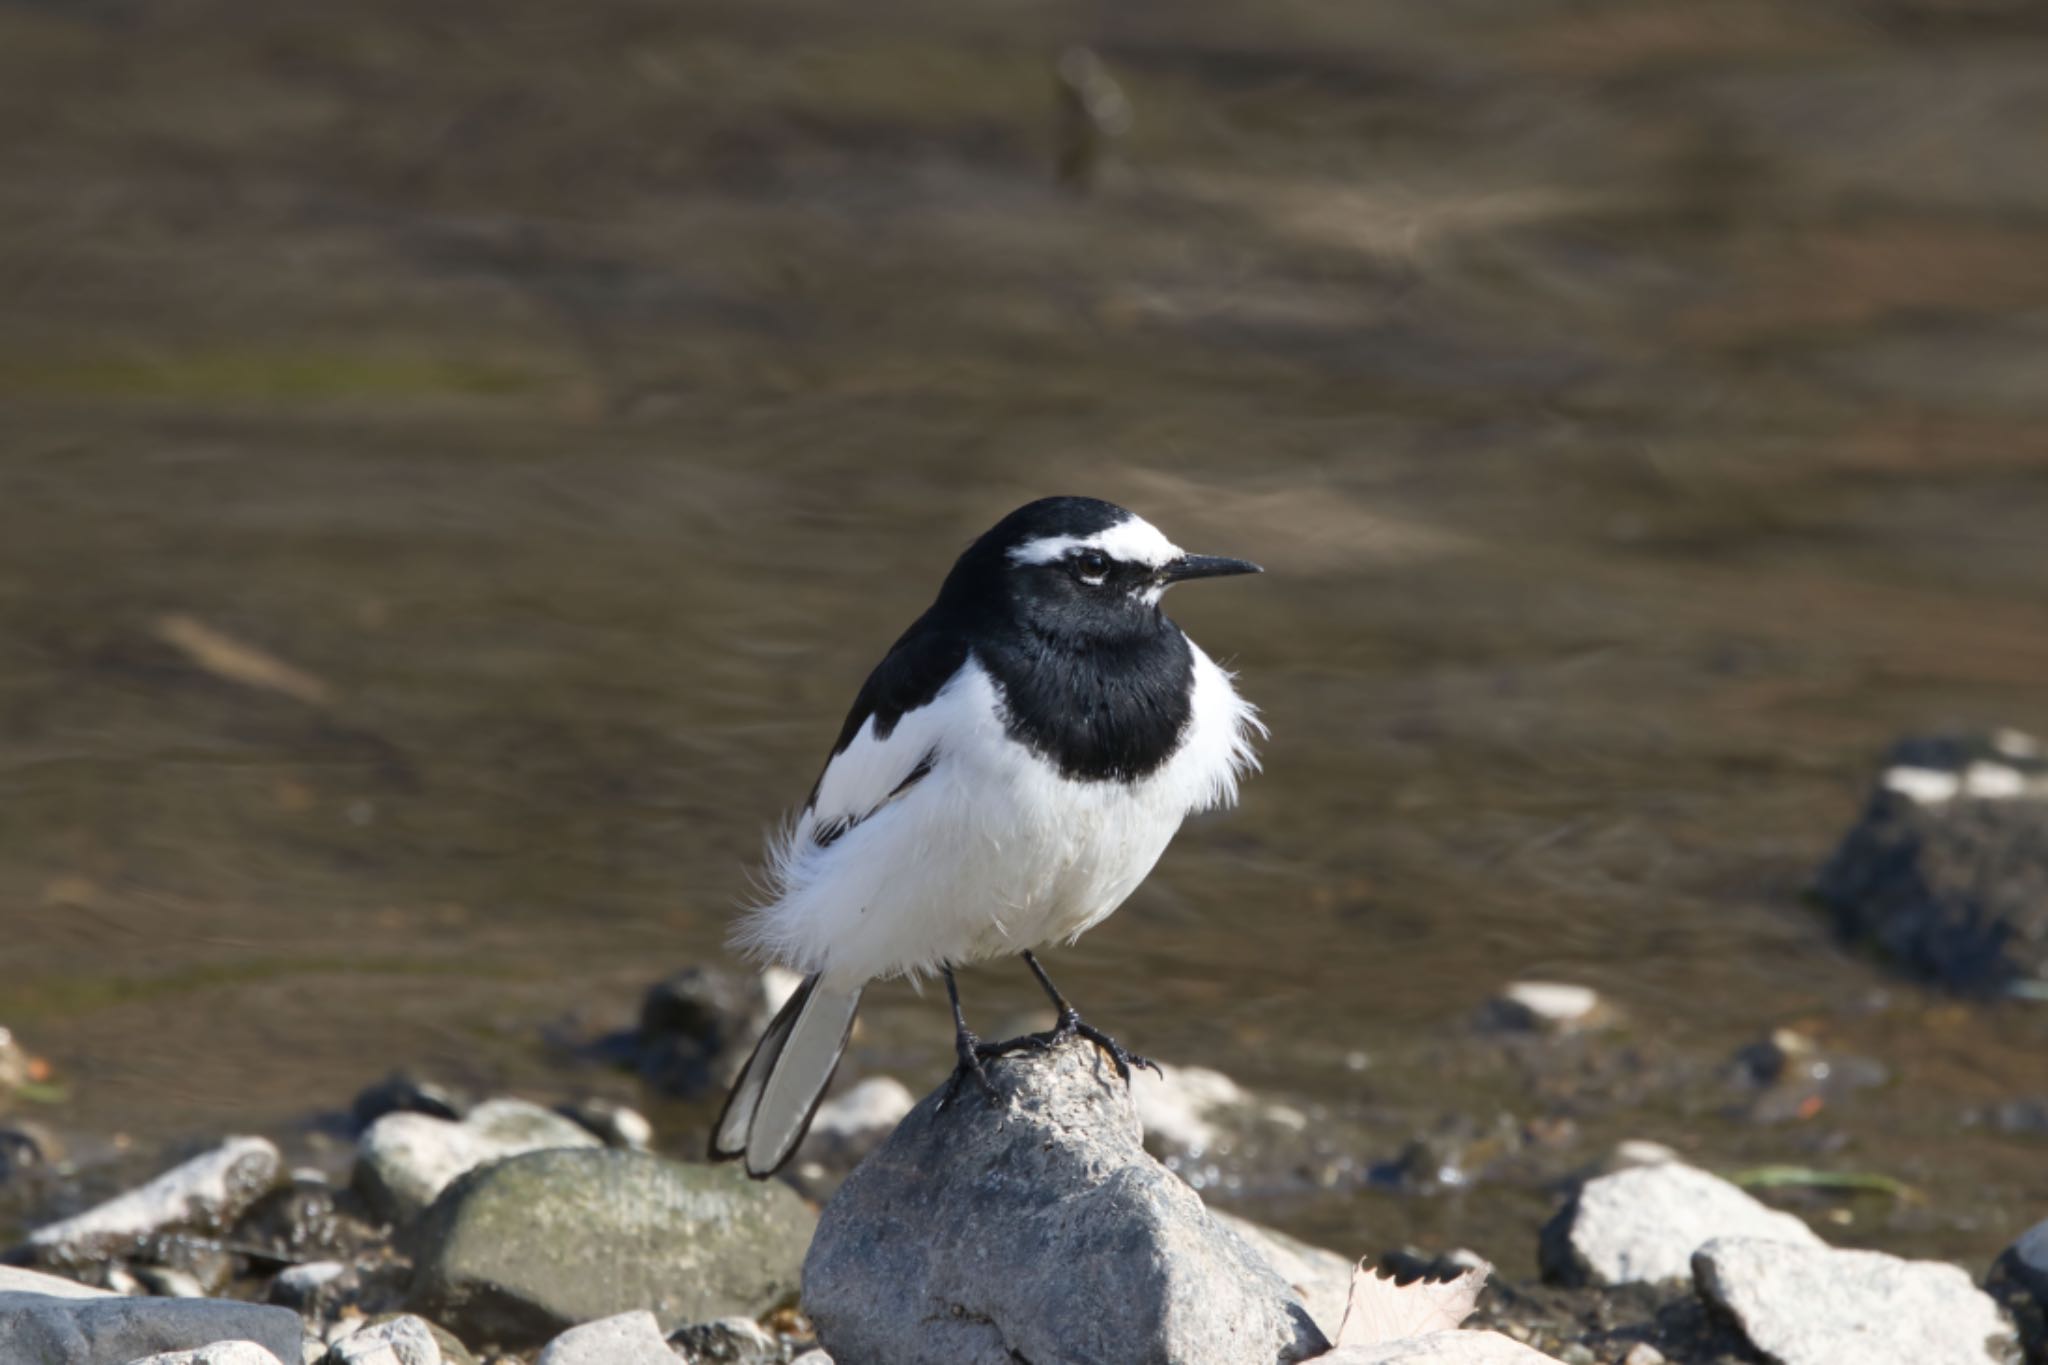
1009,773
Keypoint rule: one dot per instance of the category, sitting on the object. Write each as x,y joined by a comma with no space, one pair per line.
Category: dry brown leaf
1380,1310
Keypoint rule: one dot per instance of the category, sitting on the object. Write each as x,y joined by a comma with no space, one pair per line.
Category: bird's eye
1093,565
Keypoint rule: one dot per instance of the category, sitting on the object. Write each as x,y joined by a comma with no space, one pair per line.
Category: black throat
1107,710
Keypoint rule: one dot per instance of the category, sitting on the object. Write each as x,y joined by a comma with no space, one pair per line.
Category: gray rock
521,1250
812,1358
698,1027
1038,1228
613,1124
205,1194
2019,1280
297,1287
1806,1305
1947,870
728,1341
1642,1225
1320,1279
26,1145
45,1320
405,1160
401,1340
404,1093
627,1339
220,1353
168,1282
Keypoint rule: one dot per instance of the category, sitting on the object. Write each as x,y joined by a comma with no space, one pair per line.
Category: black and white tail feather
1008,774
776,1096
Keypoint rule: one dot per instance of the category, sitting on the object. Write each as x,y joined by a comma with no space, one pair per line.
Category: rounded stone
517,1252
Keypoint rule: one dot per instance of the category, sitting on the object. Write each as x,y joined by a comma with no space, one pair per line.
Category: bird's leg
1070,1025
967,1047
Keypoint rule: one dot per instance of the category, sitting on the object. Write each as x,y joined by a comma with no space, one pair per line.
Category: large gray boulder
45,1320
1802,1305
1037,1228
1947,870
518,1252
404,1160
206,1194
1641,1225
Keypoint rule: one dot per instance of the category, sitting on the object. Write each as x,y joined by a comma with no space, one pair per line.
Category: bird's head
1078,568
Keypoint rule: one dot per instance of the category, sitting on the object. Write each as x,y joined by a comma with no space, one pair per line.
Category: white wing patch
1136,541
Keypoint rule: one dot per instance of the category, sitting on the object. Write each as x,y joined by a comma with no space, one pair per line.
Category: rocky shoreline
1065,1220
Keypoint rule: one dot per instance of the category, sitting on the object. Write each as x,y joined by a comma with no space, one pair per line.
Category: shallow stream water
1641,410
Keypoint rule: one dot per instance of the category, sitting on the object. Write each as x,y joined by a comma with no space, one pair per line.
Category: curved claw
970,1051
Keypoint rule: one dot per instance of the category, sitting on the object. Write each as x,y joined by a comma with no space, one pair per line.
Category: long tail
771,1104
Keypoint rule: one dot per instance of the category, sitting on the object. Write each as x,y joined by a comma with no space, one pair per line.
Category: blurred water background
458,461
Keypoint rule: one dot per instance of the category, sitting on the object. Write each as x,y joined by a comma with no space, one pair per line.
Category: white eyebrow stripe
1136,541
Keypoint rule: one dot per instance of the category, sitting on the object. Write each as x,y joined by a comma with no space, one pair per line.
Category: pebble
206,1194
404,1161
168,1282
526,1248
626,1339
296,1287
219,1353
402,1340
1546,1007
1815,1305
611,1123
25,1146
1642,1225
728,1341
403,1093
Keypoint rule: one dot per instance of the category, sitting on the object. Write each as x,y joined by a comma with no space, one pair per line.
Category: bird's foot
971,1051
1071,1025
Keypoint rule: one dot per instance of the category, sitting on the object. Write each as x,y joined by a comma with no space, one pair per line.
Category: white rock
777,985
812,1358
1547,1006
220,1353
1641,1152
1320,1279
628,1339
849,1126
295,1286
1441,1348
206,1193
399,1341
1177,1107
405,1160
1642,1225
1806,1305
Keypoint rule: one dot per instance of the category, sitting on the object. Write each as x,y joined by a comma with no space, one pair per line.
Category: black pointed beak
1204,566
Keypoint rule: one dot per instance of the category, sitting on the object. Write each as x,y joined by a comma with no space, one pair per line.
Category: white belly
994,852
